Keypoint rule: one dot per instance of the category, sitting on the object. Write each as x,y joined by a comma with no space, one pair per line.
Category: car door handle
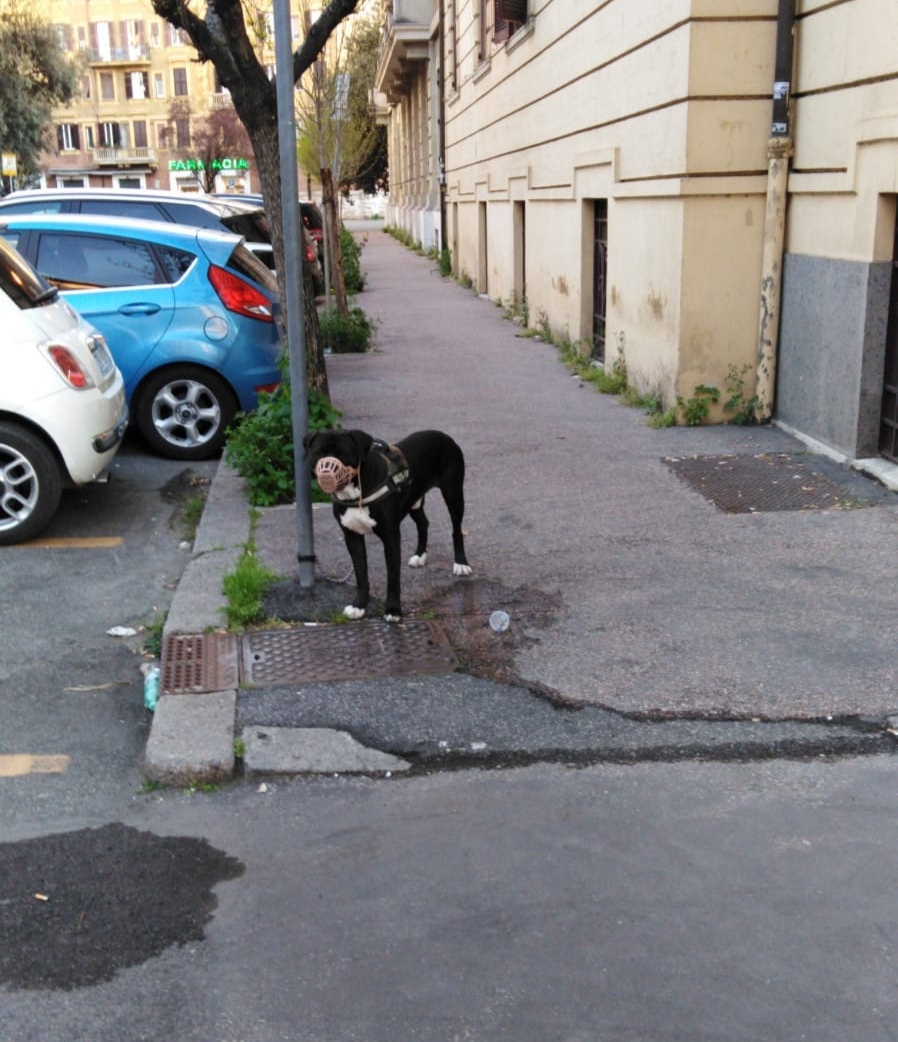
139,309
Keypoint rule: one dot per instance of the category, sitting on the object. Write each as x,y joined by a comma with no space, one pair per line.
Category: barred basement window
509,16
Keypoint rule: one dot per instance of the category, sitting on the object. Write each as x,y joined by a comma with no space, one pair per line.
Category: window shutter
59,141
76,136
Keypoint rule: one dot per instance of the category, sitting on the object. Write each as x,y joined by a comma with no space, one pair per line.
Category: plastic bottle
151,688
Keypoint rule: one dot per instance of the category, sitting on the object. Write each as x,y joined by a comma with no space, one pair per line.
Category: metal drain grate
757,484
199,662
345,652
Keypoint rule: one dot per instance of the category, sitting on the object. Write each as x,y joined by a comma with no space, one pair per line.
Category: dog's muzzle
333,474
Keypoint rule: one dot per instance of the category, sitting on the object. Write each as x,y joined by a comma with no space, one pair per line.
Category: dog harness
333,475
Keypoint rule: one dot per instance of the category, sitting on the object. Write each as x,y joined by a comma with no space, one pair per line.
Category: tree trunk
332,226
266,148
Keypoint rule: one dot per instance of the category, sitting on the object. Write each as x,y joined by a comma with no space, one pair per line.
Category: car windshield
20,282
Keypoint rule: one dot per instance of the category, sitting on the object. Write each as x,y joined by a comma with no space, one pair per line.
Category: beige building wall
661,109
659,113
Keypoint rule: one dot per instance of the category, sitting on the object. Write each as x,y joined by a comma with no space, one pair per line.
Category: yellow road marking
98,542
14,765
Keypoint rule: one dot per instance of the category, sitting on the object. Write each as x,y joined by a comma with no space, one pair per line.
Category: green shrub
351,249
349,334
260,447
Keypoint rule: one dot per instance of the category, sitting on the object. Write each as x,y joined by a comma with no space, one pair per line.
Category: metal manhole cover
193,663
755,484
345,652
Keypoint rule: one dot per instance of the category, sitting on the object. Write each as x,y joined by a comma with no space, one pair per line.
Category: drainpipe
441,92
779,152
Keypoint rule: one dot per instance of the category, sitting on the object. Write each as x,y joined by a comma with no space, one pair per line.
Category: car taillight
70,367
239,296
311,253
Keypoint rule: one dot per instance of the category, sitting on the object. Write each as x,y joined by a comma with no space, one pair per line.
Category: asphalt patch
77,907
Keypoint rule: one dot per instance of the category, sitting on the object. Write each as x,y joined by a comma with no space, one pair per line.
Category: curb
192,736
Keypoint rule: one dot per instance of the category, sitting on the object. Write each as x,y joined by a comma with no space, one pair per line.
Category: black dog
374,485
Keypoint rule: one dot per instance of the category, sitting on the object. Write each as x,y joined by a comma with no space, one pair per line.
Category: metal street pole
293,287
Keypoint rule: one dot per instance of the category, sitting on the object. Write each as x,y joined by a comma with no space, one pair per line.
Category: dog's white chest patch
358,519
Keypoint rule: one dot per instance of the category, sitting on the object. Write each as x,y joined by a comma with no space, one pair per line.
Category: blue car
189,314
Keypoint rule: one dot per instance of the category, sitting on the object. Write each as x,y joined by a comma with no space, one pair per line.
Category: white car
62,400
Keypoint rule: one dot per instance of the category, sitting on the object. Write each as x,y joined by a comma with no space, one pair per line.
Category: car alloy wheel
184,412
30,484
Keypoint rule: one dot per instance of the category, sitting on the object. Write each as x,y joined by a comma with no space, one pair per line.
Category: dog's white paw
392,618
353,613
417,560
461,569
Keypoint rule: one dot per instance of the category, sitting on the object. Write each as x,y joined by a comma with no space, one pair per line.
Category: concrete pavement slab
192,739
312,750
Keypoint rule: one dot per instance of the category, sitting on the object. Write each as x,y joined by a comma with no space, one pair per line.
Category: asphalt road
71,695
639,902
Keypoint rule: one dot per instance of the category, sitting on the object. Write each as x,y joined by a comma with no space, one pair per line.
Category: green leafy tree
35,77
337,130
233,37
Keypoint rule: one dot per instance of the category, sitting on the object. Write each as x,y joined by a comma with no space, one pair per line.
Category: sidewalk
631,594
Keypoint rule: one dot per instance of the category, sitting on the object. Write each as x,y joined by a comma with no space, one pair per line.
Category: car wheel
30,484
184,412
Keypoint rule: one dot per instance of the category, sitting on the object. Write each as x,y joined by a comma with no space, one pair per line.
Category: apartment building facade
142,95
648,181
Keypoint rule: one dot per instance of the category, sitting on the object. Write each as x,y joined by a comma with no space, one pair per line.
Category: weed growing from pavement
245,587
152,643
193,512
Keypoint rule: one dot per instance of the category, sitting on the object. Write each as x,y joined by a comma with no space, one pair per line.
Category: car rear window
195,215
123,208
251,224
20,282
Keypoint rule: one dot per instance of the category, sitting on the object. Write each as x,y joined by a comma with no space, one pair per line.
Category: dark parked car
309,212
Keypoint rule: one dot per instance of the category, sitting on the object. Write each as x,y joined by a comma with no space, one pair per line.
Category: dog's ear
308,441
362,442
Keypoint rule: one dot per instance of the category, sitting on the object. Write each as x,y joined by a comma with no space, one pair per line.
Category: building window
179,79
88,137
182,133
107,87
176,37
102,40
158,85
64,37
112,135
85,87
68,137
137,86
154,34
140,133
510,15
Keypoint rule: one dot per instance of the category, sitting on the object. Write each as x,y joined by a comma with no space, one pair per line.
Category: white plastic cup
499,621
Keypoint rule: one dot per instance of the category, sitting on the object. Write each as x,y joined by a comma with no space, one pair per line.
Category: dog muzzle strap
333,474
